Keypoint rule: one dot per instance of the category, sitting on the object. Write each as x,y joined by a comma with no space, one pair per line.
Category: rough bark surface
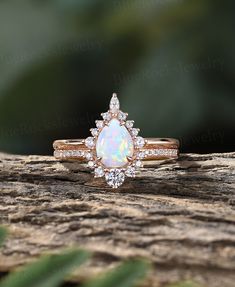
179,214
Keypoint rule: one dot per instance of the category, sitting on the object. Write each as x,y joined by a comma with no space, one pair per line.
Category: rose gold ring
154,149
115,150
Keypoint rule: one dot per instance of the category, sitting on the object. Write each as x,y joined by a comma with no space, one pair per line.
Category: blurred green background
172,63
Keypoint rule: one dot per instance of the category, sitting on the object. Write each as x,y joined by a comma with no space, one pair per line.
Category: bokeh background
172,63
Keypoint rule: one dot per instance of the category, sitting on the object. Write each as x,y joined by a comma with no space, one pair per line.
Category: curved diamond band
115,150
155,149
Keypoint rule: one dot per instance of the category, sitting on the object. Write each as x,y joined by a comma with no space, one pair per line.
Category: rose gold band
154,149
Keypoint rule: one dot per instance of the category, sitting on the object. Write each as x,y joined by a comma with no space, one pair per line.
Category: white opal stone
114,145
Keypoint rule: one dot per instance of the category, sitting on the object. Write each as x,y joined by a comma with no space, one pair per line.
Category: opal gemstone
114,145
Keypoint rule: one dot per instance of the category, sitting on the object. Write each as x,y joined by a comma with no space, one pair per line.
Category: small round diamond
91,164
99,172
89,156
138,163
115,178
135,132
129,124
141,155
89,142
106,116
74,153
122,116
99,124
94,132
139,142
67,153
130,172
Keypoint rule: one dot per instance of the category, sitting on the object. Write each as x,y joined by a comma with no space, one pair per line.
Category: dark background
172,63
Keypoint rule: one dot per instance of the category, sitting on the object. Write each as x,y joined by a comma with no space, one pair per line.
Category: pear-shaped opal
114,145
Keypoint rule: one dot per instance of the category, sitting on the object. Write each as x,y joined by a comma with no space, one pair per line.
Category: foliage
123,276
51,270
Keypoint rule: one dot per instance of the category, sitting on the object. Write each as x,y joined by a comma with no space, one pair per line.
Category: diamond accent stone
114,105
138,164
115,178
91,164
99,172
162,152
129,124
69,154
99,124
141,155
139,142
130,171
94,132
135,132
122,116
90,142
106,116
89,156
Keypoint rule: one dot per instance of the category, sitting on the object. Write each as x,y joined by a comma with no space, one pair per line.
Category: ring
115,150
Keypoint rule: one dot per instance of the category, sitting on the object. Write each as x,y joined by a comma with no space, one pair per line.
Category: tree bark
178,214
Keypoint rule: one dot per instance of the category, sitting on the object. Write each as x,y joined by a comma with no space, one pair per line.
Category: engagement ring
115,150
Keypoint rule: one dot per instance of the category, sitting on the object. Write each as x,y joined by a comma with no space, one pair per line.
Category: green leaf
126,275
3,233
49,271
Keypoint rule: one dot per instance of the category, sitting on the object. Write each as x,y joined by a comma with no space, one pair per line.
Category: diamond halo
123,157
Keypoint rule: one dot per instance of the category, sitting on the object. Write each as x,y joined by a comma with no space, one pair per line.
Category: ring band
155,149
115,150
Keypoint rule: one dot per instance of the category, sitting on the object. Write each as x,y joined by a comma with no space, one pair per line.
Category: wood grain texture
178,214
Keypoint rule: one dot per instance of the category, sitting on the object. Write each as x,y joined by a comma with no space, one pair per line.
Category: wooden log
178,214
